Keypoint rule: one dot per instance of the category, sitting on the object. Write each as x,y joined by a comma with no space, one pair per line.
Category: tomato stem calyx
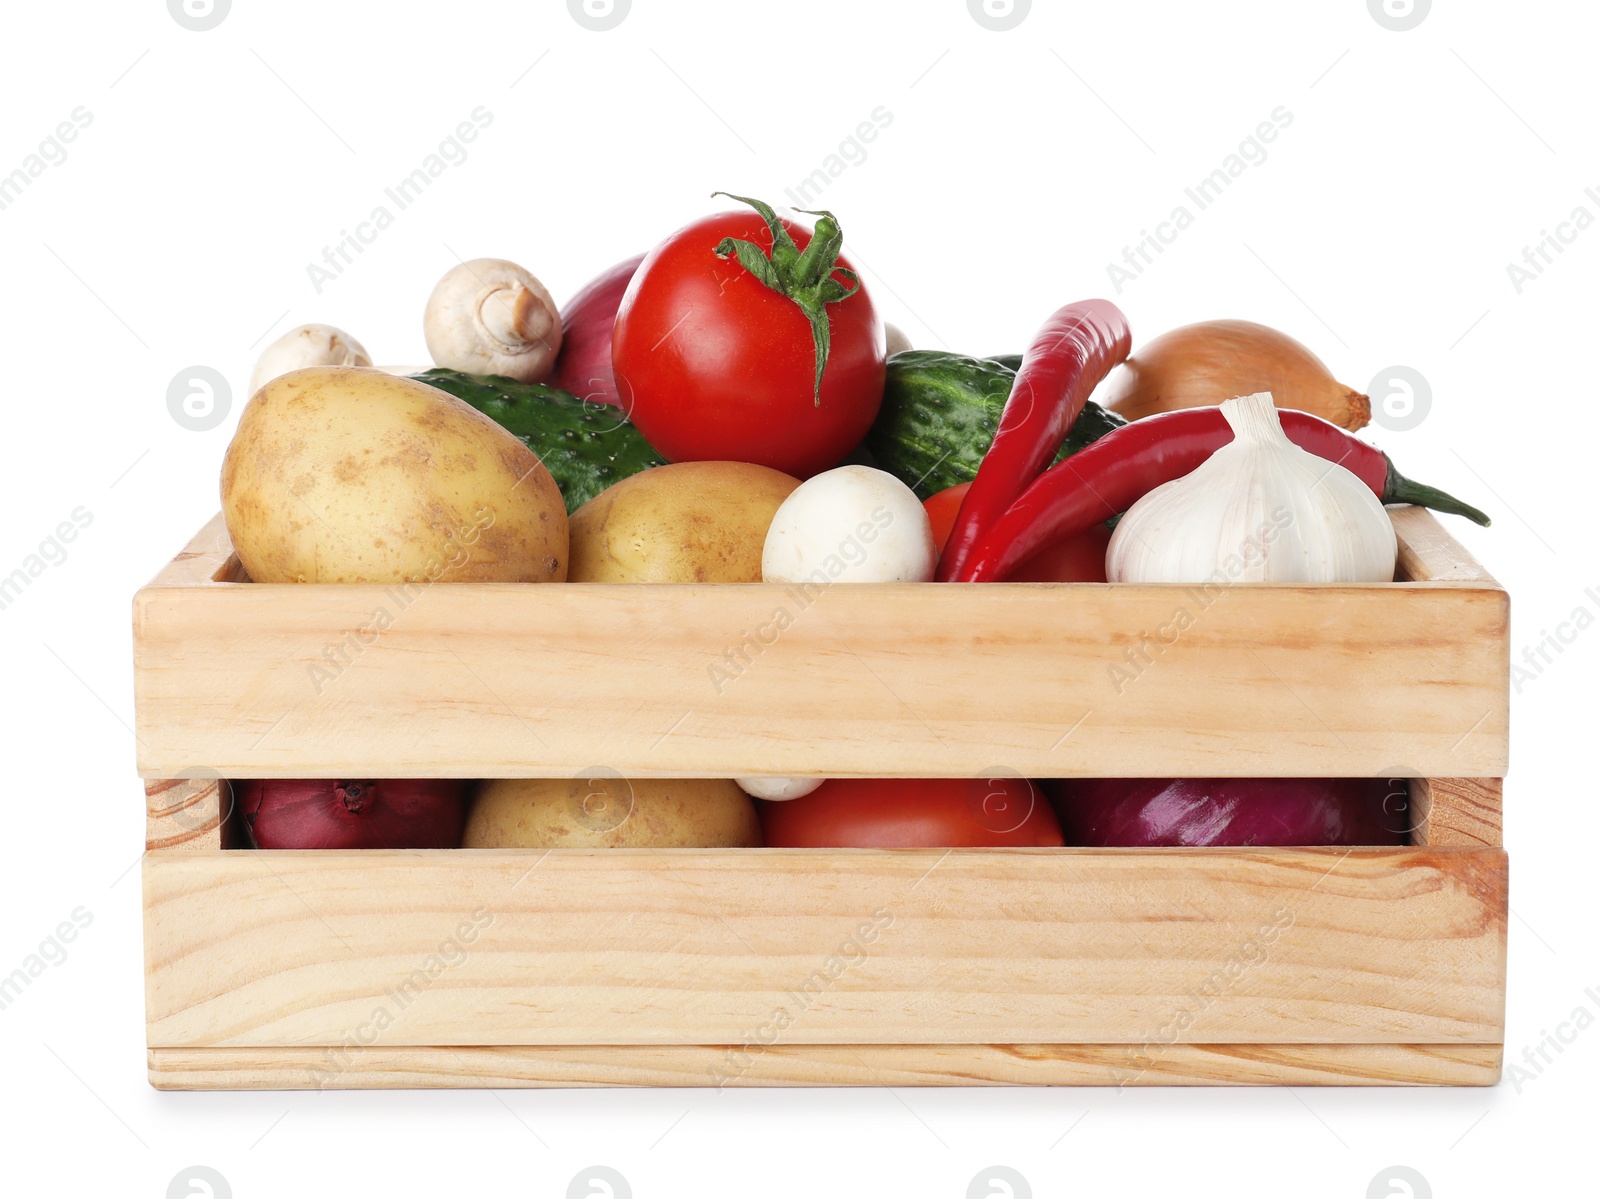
805,277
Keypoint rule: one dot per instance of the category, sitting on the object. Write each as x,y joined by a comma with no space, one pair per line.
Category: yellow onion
1200,365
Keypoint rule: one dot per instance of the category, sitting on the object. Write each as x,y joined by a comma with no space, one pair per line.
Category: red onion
1144,812
353,813
583,366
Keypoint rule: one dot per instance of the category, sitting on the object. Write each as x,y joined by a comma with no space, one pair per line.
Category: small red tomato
716,363
1078,559
942,507
913,814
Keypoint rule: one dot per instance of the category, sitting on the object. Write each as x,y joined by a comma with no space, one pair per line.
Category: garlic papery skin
1259,510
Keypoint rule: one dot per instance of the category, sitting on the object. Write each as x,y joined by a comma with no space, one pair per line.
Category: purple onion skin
583,365
353,814
1160,812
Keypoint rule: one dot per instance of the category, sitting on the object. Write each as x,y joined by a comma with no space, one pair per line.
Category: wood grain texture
690,947
1045,680
1428,552
1458,811
208,558
185,814
512,1066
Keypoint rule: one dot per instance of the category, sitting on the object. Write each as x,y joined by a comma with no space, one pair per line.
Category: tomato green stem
805,277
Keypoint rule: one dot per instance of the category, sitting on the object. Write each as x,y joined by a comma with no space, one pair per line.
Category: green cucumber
940,412
585,447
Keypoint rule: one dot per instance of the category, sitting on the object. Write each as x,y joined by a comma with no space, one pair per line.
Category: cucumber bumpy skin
940,412
586,447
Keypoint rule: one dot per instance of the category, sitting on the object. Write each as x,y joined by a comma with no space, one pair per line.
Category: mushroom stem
492,317
510,317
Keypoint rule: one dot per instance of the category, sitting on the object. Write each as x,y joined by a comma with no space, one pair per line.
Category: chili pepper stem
1400,490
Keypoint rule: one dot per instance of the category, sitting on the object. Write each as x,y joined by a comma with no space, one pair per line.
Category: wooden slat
957,680
185,813
510,1066
1429,554
208,558
691,947
1458,811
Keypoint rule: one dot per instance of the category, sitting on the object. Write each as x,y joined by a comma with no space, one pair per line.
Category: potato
346,475
610,813
690,522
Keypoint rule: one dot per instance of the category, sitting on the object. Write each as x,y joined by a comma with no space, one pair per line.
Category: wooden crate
799,967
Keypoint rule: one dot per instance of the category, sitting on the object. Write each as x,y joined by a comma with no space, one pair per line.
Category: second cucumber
940,412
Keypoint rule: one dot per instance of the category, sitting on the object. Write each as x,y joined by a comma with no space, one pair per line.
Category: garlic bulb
1259,510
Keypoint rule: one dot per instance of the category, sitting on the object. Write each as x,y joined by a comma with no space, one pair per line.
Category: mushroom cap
852,524
491,317
307,345
776,787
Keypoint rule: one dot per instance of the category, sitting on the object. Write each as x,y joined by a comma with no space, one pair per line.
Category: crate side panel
627,947
1040,680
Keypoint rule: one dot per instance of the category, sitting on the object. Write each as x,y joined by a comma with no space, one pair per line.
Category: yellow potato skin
611,813
689,522
352,475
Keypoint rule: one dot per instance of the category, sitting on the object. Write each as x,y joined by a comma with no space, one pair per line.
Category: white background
1016,167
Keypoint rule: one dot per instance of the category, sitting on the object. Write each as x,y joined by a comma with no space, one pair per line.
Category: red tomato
1080,559
942,507
714,365
913,814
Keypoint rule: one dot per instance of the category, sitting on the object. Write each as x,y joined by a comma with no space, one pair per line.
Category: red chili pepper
1106,478
1076,349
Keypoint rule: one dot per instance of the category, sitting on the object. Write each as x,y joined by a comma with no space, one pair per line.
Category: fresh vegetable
1077,559
851,524
1199,366
307,345
941,508
691,522
345,475
1146,812
608,812
913,814
894,340
492,317
724,353
778,788
586,447
1109,476
583,366
1068,357
939,416
1260,510
353,813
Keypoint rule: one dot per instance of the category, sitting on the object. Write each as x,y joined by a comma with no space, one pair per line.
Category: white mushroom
852,524
308,345
491,317
778,787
